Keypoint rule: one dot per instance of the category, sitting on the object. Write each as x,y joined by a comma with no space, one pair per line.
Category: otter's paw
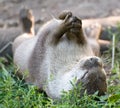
63,14
71,23
76,25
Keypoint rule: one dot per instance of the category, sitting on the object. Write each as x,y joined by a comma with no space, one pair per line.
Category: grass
15,93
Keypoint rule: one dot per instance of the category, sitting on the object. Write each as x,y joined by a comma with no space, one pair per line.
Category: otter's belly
65,55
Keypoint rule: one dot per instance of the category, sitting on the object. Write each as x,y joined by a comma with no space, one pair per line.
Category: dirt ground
43,10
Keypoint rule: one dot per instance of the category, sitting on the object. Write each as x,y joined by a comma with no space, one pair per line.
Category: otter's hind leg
93,31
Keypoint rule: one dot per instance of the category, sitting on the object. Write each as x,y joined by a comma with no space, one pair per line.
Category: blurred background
43,10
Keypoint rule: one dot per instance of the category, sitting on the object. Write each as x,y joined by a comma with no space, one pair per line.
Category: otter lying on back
59,54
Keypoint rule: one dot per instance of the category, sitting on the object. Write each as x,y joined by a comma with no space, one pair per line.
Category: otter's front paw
63,14
71,23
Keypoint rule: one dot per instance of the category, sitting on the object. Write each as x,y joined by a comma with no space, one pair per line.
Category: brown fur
95,80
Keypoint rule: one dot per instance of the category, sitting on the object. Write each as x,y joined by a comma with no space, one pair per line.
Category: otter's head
95,77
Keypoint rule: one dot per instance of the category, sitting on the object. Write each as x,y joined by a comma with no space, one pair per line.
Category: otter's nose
96,61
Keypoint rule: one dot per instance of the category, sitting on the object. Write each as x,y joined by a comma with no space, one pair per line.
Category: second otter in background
27,22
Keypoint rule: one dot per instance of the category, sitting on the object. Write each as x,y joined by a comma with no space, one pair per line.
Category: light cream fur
21,39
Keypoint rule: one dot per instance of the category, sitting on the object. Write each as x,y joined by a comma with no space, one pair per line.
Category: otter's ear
63,14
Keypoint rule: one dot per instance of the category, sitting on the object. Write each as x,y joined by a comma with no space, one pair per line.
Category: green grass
15,93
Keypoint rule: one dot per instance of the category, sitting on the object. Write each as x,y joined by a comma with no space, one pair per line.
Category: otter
27,21
59,54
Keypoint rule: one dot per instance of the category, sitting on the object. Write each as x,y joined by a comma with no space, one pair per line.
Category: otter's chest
65,55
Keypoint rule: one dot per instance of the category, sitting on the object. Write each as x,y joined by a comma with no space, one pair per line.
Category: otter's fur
57,56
